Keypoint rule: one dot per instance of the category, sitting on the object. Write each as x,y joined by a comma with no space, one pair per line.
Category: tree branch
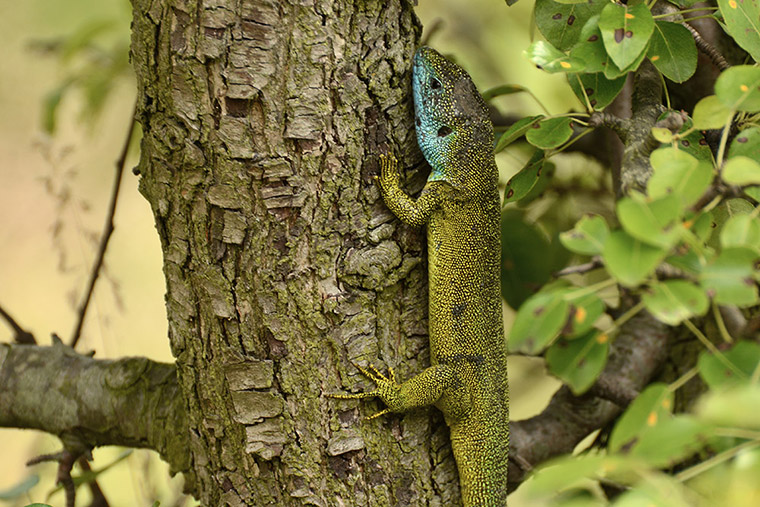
635,357
133,402
22,335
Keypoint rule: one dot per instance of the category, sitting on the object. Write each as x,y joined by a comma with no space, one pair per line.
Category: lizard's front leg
424,389
412,212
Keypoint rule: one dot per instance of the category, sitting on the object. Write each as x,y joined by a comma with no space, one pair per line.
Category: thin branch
22,335
609,120
98,498
107,232
708,49
595,263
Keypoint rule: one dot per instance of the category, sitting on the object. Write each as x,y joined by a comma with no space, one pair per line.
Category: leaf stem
685,11
712,348
680,381
625,317
723,141
582,291
715,460
721,324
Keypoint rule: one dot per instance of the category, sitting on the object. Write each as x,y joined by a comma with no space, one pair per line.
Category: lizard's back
464,249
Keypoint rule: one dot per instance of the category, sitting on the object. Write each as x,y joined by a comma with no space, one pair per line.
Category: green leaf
742,21
551,59
20,489
550,133
538,322
561,473
739,88
687,261
677,172
658,490
673,51
746,144
514,132
734,407
625,31
753,192
653,222
584,312
652,405
729,278
701,225
590,47
612,71
711,113
722,213
528,258
521,183
736,366
561,24
741,170
547,173
662,135
741,231
671,440
600,90
674,301
579,362
498,91
587,237
629,260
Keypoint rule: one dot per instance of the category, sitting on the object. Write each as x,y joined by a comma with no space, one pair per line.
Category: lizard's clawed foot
385,390
389,176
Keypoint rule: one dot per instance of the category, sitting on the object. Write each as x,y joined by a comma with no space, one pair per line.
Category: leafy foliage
684,247
94,59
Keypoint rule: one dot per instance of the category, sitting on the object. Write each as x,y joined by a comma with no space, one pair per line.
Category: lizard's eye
434,83
444,131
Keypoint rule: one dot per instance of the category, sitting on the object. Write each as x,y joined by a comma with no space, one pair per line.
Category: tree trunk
262,124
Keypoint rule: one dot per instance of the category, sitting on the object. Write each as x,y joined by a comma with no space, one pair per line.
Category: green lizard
467,379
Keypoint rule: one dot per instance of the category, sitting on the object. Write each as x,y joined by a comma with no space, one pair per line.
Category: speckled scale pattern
467,379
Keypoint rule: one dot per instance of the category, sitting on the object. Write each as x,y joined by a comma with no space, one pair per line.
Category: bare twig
579,268
22,335
708,49
65,459
107,231
98,498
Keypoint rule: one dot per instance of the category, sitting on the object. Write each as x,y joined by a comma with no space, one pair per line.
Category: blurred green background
54,191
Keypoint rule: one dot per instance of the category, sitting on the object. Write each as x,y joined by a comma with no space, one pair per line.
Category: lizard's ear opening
444,131
434,83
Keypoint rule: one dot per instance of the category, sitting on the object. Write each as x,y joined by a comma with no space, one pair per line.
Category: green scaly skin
467,379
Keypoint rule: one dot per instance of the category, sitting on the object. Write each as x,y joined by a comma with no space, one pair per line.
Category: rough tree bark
262,121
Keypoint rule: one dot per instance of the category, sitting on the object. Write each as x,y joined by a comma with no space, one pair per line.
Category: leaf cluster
684,247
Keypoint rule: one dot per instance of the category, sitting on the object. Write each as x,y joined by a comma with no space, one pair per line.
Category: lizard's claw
389,176
386,389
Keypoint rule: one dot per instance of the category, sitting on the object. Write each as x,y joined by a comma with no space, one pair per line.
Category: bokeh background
54,191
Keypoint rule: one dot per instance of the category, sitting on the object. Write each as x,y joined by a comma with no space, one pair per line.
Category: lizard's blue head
450,115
